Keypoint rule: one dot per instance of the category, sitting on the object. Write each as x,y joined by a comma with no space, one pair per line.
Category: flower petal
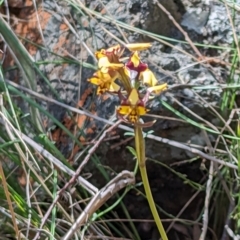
141,110
133,118
95,80
135,59
105,81
158,89
114,87
133,97
124,109
100,54
115,49
104,64
102,88
134,63
148,78
137,46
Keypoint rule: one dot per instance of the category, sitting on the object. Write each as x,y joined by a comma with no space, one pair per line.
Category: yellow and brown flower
132,107
105,81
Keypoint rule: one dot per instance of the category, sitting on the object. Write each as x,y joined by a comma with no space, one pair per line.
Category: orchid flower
131,74
105,81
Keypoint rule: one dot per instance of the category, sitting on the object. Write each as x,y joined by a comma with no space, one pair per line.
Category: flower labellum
132,107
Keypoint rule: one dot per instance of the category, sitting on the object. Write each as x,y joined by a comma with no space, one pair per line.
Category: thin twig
121,142
122,180
179,28
208,190
233,29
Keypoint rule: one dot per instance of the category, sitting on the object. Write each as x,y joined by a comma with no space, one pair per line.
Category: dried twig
187,38
233,29
122,180
208,190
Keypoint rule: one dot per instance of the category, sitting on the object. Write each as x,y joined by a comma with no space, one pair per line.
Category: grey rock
195,19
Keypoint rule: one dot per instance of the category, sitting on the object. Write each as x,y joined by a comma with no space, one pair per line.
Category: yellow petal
114,87
135,59
138,46
102,88
158,89
109,76
104,69
95,80
100,54
104,64
124,109
148,78
104,77
133,97
126,71
141,110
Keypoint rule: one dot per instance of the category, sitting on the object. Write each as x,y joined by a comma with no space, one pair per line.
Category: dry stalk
7,194
233,29
208,189
122,180
187,38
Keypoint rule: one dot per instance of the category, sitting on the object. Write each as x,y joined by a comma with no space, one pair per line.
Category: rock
82,36
195,19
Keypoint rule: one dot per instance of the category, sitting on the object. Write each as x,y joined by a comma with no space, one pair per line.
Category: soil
173,189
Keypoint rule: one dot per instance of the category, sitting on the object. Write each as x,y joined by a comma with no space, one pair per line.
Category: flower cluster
132,74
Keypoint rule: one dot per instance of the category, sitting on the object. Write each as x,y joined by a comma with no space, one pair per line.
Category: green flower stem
140,150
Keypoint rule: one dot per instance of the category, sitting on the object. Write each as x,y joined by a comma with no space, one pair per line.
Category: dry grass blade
233,29
208,190
88,186
122,180
4,181
7,194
